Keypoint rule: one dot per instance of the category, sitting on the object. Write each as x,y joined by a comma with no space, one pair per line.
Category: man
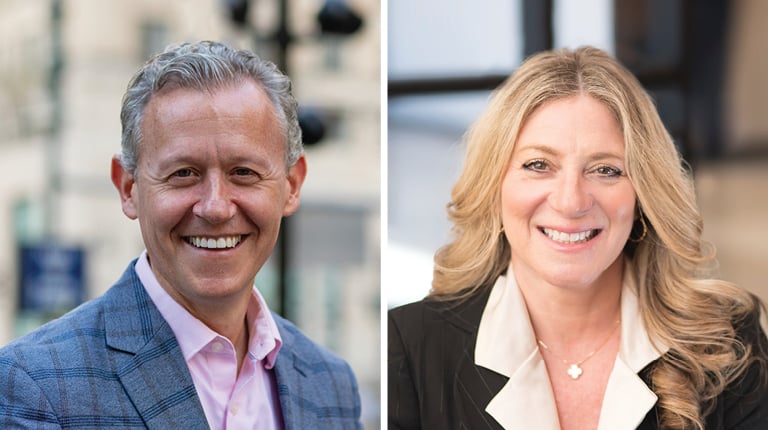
211,161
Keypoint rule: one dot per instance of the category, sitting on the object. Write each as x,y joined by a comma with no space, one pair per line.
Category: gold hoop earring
645,231
495,231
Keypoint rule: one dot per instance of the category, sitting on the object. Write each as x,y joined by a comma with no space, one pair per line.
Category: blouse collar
506,344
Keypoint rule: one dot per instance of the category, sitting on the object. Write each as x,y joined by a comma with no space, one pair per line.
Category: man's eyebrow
185,158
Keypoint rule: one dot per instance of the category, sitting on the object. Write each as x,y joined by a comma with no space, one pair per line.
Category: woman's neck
571,319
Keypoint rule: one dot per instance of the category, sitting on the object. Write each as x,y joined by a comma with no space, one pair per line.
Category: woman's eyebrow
535,147
602,155
606,155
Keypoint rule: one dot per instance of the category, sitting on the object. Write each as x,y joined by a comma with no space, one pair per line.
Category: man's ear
296,175
124,182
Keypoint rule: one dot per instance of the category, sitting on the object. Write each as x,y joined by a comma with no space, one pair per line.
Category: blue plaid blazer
115,362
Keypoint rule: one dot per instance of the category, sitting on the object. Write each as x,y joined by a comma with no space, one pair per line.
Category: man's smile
221,242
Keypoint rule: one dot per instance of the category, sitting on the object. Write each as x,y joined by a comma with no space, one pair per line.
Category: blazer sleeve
22,404
744,404
433,382
403,401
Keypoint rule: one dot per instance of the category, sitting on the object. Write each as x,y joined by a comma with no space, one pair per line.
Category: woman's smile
570,238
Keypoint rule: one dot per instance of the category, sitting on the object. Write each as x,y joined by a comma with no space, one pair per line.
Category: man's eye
536,165
245,175
242,171
183,173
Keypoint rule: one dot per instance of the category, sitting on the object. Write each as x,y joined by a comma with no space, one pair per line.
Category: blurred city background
64,66
705,64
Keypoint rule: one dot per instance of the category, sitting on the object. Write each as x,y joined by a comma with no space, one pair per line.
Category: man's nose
215,204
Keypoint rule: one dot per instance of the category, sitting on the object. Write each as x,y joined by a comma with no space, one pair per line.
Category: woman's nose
571,196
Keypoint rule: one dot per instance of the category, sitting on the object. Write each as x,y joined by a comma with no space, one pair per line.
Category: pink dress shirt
230,401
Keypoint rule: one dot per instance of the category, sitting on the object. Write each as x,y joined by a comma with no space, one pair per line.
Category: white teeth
559,236
218,243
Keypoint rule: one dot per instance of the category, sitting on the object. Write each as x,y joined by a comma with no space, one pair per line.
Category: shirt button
234,409
217,347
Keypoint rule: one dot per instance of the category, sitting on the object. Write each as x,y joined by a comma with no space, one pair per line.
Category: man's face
210,189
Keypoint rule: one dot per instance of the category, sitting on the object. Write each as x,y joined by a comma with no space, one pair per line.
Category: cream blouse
506,344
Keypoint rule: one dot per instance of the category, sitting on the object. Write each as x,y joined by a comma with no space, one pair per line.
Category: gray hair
205,66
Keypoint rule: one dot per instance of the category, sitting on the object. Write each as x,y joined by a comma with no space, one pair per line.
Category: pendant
575,371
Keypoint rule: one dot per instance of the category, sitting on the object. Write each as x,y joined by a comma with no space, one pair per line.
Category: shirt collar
506,344
193,335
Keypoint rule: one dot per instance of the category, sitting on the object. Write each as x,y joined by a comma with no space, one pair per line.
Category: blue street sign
52,277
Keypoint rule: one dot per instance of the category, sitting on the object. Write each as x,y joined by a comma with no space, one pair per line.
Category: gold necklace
574,368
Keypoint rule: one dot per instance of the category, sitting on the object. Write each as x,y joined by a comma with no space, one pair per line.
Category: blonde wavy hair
681,306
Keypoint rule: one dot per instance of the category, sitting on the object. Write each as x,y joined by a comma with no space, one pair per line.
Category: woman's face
567,205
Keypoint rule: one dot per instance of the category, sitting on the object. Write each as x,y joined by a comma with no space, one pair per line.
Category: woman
575,292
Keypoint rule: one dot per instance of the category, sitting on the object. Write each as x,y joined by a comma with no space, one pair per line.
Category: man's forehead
173,110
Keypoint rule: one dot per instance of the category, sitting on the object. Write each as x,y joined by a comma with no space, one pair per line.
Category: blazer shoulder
36,369
79,331
436,313
433,381
81,326
743,403
746,399
300,344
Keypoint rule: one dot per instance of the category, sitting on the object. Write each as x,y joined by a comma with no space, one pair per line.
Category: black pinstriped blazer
435,384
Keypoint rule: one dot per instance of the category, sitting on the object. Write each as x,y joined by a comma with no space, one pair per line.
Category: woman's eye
608,171
536,165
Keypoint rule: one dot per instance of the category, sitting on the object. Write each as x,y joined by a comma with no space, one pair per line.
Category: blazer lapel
316,390
627,398
290,378
301,394
287,376
147,359
475,386
472,386
506,345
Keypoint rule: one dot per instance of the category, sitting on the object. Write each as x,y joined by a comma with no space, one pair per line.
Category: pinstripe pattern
114,363
434,382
